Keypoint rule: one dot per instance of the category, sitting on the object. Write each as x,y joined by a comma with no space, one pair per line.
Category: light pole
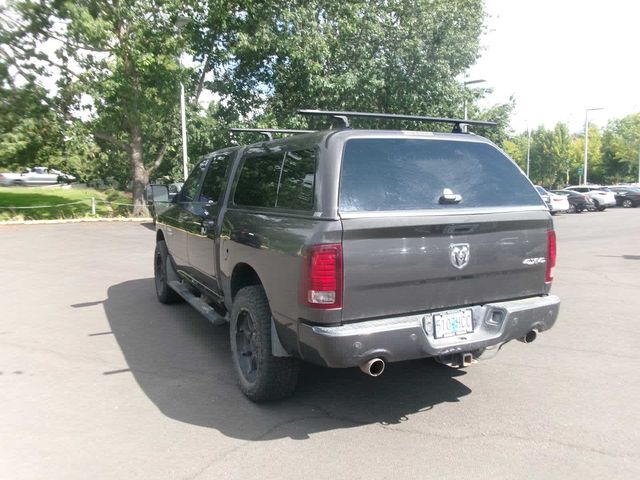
639,167
180,23
469,82
586,139
528,148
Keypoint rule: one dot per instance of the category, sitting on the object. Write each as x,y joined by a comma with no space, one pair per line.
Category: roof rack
343,118
267,132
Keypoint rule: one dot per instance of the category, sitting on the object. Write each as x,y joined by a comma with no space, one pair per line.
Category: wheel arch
243,275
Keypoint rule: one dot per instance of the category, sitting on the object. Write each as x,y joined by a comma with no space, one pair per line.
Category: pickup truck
353,248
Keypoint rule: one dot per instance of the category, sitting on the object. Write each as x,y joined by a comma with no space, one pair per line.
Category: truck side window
190,188
215,179
295,191
258,182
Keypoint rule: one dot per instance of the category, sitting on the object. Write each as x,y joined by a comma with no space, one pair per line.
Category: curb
76,220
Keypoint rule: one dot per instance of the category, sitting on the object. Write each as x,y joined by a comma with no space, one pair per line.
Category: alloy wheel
246,345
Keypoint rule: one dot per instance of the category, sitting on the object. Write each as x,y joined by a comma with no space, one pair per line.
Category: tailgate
397,265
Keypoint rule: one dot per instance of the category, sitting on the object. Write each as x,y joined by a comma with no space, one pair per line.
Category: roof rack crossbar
268,132
457,122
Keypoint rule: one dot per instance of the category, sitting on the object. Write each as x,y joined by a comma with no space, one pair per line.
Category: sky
558,58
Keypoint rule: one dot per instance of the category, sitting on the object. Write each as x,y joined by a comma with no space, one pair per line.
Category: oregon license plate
451,324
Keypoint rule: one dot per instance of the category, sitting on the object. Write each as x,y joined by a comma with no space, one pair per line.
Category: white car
556,203
35,176
602,197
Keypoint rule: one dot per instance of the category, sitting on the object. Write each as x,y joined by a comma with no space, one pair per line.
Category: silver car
30,177
602,197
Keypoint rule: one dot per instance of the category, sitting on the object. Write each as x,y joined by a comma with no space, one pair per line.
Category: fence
92,202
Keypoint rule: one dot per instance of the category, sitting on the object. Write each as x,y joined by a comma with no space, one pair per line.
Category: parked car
34,177
348,247
578,202
556,203
626,196
602,197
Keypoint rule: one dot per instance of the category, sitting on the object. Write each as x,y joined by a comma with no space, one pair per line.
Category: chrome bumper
410,337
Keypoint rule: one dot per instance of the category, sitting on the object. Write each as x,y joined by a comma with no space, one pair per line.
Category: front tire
165,293
261,376
626,203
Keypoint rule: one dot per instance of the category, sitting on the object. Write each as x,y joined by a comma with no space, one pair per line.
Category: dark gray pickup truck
350,247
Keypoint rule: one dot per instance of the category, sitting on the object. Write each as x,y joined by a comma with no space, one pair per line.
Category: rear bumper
604,202
408,337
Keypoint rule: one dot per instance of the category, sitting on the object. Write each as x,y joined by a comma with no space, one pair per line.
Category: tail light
322,276
551,255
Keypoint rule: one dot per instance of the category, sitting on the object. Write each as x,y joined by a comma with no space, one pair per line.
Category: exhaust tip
373,367
530,337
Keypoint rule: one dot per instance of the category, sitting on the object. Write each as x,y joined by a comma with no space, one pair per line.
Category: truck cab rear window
415,174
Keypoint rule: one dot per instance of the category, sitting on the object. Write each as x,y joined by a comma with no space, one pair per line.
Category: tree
550,151
393,56
595,172
119,65
516,148
621,149
123,57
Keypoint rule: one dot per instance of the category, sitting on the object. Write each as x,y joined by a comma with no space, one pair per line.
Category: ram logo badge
459,254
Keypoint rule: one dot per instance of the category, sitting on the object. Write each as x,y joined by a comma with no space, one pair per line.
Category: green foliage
621,149
516,148
550,154
393,56
56,201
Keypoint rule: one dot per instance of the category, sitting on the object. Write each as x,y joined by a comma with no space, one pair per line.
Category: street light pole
183,120
586,140
180,23
469,82
528,148
639,167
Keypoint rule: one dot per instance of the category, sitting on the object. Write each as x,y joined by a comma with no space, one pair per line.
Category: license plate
452,324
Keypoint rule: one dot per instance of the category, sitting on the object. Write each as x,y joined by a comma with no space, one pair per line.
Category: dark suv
350,247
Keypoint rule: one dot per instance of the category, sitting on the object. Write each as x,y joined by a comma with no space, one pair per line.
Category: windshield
413,174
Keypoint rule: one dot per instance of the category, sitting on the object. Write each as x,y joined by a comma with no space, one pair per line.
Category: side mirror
158,193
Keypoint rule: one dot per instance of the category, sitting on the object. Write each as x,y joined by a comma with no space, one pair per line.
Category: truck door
179,218
203,231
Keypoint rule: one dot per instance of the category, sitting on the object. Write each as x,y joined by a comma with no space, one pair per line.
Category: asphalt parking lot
98,380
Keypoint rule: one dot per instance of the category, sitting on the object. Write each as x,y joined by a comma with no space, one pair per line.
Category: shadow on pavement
626,257
148,225
182,363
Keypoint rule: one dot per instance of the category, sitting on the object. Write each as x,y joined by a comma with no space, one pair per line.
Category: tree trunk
139,172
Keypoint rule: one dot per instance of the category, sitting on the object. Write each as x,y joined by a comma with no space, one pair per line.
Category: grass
54,198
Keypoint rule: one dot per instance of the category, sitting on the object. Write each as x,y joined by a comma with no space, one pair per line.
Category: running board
196,302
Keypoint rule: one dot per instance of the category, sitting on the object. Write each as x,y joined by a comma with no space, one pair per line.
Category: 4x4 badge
459,254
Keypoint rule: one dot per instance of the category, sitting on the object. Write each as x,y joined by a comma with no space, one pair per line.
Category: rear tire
572,209
626,203
261,376
165,293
